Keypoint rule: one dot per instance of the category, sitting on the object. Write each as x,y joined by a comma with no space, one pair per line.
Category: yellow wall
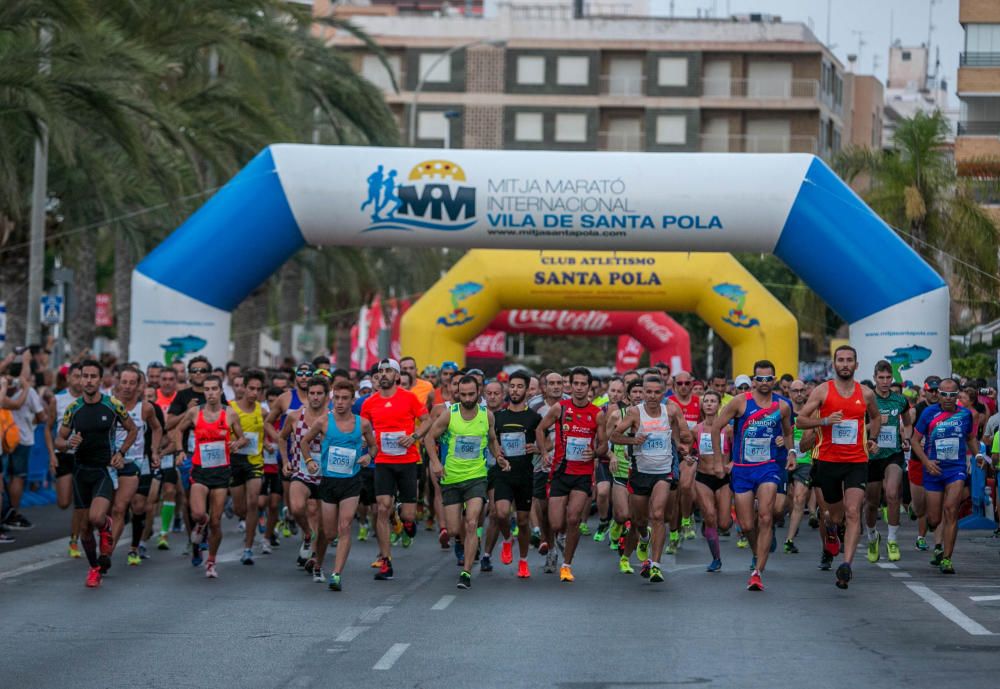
462,303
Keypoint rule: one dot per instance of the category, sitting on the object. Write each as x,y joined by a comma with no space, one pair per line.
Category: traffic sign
52,309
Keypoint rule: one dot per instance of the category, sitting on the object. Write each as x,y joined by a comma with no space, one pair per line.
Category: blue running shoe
715,566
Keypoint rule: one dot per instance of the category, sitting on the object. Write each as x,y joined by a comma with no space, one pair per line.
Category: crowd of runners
312,458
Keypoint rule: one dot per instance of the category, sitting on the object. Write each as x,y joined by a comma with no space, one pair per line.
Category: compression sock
138,526
89,545
892,532
167,517
712,536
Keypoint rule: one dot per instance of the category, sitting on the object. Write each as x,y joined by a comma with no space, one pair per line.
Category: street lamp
430,68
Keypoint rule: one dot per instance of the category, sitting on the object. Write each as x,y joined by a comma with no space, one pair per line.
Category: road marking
375,614
349,634
52,553
984,598
886,565
391,656
949,610
443,603
901,575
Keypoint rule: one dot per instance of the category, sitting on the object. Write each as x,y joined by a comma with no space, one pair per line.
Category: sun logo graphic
434,196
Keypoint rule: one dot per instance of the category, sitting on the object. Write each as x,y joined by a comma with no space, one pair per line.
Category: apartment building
551,76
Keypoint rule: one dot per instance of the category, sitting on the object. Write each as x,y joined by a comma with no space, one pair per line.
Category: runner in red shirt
393,413
580,435
680,505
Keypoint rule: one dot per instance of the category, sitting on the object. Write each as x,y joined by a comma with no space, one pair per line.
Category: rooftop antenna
861,42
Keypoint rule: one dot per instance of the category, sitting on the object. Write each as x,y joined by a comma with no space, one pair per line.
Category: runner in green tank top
622,540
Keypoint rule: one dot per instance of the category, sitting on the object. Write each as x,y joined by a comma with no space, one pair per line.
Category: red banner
103,315
489,344
629,351
375,325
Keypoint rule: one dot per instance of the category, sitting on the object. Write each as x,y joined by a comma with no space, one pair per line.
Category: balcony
620,141
623,86
979,128
763,89
749,143
979,59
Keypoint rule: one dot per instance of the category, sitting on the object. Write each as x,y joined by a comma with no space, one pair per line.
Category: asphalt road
164,625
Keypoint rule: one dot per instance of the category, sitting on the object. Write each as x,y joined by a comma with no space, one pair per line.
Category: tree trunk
14,292
124,263
82,259
289,305
342,343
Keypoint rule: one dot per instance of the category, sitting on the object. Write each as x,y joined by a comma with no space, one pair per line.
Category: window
531,70
374,71
982,38
906,56
441,74
671,130
528,126
432,126
572,70
672,71
571,127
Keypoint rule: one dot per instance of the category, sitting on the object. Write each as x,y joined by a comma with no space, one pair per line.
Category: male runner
682,506
393,414
945,441
63,468
419,387
169,476
623,539
915,472
493,394
844,442
602,472
885,467
552,394
761,419
801,477
463,479
290,400
248,462
580,436
344,436
88,433
657,428
216,430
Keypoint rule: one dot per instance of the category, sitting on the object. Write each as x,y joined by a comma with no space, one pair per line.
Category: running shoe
522,569
946,566
507,552
104,562
921,543
362,533
566,573
715,566
687,527
162,543
826,561
378,562
832,544
938,556
334,583
133,559
310,565
292,528
197,532
873,548
672,546
429,524
464,580
210,572
644,570
247,558
196,558
107,540
318,575
242,526
584,529
405,540
814,520
486,565
755,584
551,562
74,550
601,533
94,577
742,542
143,555
843,575
305,550
18,522
385,571
893,549
393,538
615,532
723,533
536,537
443,539
265,548
543,548
285,530
675,540
624,566
790,548
6,538
274,541
642,550
655,575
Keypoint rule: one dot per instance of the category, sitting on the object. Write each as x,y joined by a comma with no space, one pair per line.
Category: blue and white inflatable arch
789,204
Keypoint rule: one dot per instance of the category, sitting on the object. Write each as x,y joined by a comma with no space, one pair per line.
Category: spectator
28,411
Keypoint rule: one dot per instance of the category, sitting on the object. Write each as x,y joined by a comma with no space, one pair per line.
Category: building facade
977,147
538,77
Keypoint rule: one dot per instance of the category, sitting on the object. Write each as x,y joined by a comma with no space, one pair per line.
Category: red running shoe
507,552
443,539
543,548
94,578
107,544
755,584
522,569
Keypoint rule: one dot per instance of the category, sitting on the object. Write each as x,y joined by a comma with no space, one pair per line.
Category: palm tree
915,188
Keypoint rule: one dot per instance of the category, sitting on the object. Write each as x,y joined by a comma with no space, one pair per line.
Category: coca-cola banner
489,344
629,351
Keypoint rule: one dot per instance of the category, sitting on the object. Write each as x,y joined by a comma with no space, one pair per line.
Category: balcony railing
620,141
979,59
760,88
750,143
979,128
623,86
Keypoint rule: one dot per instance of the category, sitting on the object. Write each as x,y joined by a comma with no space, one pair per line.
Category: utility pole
39,200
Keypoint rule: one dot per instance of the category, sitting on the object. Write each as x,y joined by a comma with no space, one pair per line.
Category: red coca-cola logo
556,320
488,344
657,330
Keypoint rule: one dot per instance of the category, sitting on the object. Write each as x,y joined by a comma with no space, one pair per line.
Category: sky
880,21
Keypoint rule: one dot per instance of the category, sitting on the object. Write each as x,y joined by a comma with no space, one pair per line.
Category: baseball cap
503,377
741,380
449,366
389,363
365,384
932,382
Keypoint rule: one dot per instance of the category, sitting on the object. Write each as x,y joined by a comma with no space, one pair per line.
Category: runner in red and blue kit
760,419
943,439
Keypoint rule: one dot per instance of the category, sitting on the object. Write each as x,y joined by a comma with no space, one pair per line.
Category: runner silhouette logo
434,197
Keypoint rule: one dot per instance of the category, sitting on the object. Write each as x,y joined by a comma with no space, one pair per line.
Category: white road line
391,656
48,553
375,614
443,603
901,575
349,634
984,598
949,610
886,565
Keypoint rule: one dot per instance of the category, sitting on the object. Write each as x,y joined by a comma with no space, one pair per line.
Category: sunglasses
948,395
743,387
763,379
683,382
303,374
198,370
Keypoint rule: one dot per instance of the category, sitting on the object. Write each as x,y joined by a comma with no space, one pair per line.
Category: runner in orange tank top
837,411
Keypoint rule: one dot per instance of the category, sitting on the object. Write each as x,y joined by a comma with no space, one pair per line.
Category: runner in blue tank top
761,419
345,436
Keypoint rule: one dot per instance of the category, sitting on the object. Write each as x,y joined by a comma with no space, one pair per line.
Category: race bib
120,435
468,446
167,462
844,432
190,445
513,444
491,461
143,464
253,444
340,460
656,442
213,454
113,473
271,457
946,449
390,443
756,450
705,444
575,448
887,437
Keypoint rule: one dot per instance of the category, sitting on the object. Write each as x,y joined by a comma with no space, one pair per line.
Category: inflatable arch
792,205
715,286
666,339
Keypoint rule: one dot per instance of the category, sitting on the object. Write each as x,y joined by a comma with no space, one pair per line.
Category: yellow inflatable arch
713,285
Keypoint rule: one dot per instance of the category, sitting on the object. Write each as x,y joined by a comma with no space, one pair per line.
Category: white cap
741,380
366,383
391,363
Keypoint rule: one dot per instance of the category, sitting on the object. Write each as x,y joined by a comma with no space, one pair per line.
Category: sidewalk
50,523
